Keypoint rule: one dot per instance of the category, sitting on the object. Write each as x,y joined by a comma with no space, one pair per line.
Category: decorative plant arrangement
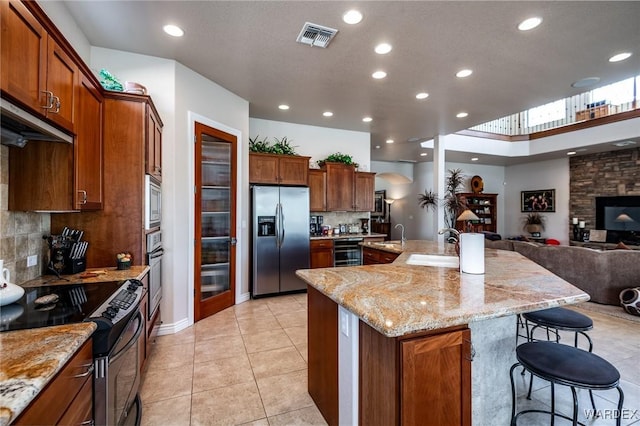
281,146
451,202
533,222
338,158
109,82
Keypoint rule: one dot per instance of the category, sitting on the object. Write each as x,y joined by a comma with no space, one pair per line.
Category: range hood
20,126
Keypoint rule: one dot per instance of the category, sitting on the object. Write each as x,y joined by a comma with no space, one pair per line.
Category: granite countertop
342,236
398,299
390,246
31,358
110,274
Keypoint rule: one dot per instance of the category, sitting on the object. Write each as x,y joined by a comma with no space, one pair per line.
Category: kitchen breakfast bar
411,344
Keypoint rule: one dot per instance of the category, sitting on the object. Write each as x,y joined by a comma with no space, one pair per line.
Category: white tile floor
248,365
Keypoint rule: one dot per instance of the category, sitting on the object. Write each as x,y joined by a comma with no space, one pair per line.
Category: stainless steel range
114,307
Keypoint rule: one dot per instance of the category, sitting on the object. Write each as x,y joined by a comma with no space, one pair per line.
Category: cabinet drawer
373,257
321,244
80,411
53,401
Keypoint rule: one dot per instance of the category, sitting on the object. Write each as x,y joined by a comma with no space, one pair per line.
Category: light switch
344,322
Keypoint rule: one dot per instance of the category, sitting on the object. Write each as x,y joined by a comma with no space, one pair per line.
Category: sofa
601,274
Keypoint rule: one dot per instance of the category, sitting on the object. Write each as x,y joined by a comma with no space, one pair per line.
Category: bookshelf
485,207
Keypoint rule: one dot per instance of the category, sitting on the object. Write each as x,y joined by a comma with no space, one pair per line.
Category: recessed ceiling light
474,159
327,114
367,119
529,24
422,95
462,114
389,140
585,82
464,73
571,153
619,57
352,17
624,143
423,154
283,106
383,48
377,146
173,30
379,74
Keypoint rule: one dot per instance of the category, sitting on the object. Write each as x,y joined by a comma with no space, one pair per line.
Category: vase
9,293
576,232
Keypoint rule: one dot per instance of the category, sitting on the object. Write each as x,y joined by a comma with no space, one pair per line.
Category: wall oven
152,203
154,260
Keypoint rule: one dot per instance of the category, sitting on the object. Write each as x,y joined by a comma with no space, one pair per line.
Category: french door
215,221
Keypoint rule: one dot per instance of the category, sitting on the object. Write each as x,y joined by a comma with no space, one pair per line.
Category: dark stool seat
561,318
565,365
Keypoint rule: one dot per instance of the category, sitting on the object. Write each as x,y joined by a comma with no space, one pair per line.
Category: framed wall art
379,205
542,200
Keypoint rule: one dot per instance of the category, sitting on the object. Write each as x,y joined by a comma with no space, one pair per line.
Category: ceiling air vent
316,35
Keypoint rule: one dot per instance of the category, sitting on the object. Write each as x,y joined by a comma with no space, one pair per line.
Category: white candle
575,220
581,224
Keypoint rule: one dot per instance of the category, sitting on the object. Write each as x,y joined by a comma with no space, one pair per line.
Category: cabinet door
364,191
436,380
340,187
88,147
62,78
24,55
263,168
317,191
293,170
154,145
321,254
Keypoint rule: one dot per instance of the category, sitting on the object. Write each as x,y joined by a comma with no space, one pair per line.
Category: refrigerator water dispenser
266,226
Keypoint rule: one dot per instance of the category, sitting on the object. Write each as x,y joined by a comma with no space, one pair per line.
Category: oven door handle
156,253
131,342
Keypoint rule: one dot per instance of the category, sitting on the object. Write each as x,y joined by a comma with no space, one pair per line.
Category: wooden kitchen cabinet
375,257
36,70
278,169
317,190
68,398
364,191
88,194
321,252
153,161
348,190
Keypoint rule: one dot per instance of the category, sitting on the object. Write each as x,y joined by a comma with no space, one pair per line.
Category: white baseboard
243,298
173,328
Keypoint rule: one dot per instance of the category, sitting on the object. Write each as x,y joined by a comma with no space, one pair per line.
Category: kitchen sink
437,260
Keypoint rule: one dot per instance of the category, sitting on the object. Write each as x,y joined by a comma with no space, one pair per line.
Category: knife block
75,266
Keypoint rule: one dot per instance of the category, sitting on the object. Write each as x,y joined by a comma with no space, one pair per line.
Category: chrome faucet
454,231
402,239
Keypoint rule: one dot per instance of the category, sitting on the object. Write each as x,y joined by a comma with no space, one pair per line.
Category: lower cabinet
423,378
321,252
68,398
374,257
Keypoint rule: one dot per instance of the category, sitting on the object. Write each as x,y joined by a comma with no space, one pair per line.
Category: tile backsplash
20,232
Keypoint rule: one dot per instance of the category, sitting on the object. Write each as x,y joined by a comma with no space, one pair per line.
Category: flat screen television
620,216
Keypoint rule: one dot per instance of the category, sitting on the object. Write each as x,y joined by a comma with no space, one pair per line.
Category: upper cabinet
278,169
348,190
317,190
36,71
154,143
88,149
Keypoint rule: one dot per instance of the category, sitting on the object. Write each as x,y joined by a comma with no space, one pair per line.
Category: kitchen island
393,344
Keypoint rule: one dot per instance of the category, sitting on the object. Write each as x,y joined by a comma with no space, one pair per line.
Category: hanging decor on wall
542,200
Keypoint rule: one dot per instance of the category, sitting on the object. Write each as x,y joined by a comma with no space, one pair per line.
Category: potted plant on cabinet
338,158
534,223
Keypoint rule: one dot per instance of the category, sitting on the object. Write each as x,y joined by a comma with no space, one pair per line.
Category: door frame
192,118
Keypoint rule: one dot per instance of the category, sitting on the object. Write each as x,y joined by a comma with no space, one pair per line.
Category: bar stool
556,319
564,365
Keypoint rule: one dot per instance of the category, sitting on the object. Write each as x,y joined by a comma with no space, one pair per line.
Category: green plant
257,145
338,158
282,146
534,218
109,82
428,200
453,204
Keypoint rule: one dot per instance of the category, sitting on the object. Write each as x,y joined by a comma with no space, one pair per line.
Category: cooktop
55,305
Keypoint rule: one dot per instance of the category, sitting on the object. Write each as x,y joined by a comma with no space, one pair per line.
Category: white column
438,183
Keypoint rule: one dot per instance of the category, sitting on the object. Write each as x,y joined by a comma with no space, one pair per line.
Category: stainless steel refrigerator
280,238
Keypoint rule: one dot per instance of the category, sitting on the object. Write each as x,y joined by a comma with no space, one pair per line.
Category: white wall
401,210
59,14
316,142
552,174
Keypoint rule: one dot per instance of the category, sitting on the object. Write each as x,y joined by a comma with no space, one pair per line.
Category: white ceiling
249,48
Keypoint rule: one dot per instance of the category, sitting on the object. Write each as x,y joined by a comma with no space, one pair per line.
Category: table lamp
467,216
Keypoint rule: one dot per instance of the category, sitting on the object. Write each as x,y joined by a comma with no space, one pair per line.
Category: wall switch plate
344,322
32,260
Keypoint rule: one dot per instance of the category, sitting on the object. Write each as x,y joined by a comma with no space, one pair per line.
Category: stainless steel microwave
153,203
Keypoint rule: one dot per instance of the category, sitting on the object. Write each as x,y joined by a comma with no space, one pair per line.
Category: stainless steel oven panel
117,376
153,203
347,252
155,281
